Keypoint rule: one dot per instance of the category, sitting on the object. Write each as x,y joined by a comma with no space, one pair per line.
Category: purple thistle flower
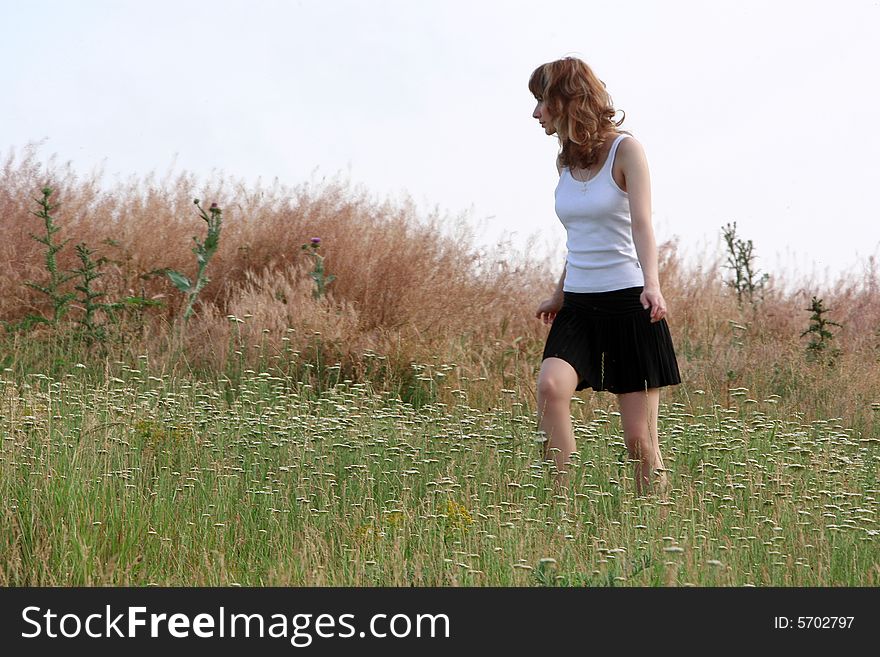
316,240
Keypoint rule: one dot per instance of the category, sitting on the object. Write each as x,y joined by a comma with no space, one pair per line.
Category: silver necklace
583,183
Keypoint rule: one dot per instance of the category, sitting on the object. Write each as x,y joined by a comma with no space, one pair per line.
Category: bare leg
556,385
638,415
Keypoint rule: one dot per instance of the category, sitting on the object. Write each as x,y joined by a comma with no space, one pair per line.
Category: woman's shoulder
629,146
630,140
630,157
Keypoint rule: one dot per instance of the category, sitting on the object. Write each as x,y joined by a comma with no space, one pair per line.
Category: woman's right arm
550,307
557,294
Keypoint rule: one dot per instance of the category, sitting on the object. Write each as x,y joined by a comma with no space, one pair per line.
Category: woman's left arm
638,186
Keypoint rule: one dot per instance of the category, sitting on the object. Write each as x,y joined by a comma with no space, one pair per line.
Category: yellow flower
457,516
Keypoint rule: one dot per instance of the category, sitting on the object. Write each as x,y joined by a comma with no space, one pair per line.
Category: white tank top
601,254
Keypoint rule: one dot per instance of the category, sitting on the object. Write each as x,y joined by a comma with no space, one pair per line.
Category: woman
607,315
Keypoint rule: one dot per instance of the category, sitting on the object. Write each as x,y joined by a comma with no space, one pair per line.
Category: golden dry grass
409,288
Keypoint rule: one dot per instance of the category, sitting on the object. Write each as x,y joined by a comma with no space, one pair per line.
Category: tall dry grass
409,289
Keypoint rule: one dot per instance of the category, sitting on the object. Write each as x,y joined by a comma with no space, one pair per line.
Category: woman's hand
653,299
548,309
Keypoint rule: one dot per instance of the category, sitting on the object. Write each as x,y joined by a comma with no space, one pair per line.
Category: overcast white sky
760,111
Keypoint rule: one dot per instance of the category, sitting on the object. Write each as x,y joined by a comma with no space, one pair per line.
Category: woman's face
543,115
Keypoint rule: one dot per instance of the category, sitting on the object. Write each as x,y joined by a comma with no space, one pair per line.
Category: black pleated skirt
610,341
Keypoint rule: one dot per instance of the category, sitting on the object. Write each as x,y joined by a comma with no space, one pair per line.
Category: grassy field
361,411
146,480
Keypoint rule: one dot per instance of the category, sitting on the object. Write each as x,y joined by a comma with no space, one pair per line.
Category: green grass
150,480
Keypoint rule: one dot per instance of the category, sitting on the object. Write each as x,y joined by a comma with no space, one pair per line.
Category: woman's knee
638,443
557,381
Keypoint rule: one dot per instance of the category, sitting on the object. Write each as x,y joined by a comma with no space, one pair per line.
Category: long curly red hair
580,106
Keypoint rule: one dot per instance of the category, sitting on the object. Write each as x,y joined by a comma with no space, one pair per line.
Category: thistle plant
204,252
319,274
53,287
820,348
741,260
88,273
